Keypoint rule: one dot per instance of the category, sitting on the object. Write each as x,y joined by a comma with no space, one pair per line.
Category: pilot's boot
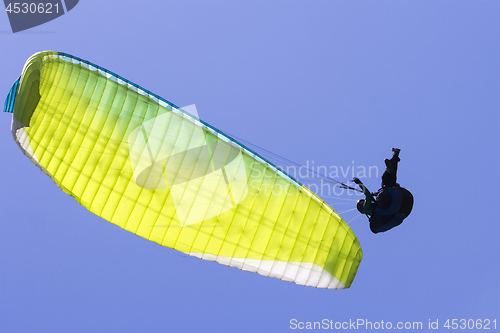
395,155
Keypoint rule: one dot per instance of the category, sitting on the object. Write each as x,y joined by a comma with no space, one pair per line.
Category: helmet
360,205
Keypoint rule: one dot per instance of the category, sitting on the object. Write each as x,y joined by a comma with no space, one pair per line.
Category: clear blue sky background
326,81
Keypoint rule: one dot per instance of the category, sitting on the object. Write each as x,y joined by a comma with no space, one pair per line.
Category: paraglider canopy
142,163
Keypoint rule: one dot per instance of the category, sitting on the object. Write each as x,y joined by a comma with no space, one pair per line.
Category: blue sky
334,82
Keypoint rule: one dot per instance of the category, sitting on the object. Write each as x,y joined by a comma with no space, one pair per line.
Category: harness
397,198
395,213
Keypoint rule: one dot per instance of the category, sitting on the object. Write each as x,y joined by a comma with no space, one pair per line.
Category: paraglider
389,206
140,162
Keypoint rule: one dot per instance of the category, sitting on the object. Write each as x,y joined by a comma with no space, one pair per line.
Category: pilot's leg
391,167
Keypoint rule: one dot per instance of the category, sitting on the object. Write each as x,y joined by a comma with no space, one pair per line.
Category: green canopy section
140,162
